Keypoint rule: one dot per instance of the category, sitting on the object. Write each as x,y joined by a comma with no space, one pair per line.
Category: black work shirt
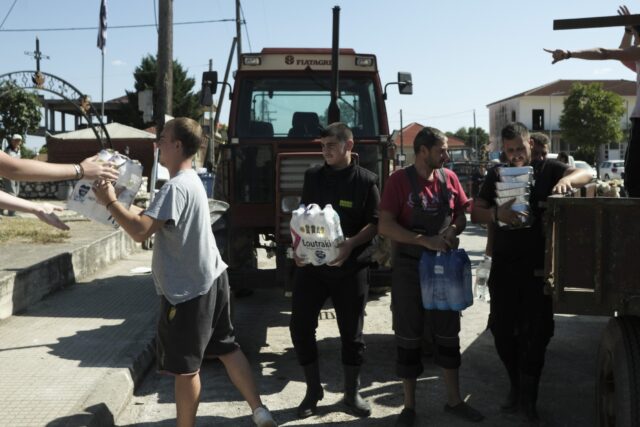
524,246
353,194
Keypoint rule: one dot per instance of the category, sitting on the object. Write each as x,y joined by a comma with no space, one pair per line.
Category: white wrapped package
83,200
316,234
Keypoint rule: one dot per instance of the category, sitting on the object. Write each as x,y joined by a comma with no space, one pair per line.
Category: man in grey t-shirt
189,275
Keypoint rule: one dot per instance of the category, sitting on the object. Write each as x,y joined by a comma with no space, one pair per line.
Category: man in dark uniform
422,208
521,318
352,191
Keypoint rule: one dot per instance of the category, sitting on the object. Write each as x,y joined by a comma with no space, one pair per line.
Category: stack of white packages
515,183
316,234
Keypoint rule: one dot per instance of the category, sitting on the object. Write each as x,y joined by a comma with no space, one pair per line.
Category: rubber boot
511,402
529,397
315,393
352,397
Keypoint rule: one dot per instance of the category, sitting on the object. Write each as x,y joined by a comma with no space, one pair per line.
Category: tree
467,134
19,110
185,101
591,117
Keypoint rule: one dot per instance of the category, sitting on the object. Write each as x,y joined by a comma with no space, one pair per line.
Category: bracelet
79,170
109,204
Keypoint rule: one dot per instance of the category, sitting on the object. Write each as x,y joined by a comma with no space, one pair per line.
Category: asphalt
75,358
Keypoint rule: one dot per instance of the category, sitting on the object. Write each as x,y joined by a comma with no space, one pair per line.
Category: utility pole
238,30
401,157
475,135
164,78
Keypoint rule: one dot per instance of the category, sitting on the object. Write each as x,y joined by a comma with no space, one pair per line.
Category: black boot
352,398
529,397
512,400
309,405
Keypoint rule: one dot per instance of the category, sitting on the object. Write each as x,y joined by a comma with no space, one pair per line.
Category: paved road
567,395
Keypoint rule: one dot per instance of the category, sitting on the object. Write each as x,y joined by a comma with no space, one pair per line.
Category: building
540,110
403,141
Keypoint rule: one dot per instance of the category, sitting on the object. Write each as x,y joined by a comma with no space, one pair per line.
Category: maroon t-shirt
396,197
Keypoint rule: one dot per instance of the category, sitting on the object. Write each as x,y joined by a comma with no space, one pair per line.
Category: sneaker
464,412
407,418
263,418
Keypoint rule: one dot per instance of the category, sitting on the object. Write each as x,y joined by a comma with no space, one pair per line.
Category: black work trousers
521,318
348,289
632,161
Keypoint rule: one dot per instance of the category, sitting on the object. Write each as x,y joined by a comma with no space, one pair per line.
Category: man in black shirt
352,191
521,318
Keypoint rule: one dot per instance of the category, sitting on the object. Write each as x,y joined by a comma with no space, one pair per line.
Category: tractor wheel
618,381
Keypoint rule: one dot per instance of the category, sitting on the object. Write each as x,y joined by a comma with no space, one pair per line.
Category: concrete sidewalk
72,358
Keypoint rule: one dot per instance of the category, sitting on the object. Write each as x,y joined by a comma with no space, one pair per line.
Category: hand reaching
99,170
46,213
558,54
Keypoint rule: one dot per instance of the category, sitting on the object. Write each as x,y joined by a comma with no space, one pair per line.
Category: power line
112,27
8,13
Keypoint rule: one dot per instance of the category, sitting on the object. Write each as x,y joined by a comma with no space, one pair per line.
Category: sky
463,54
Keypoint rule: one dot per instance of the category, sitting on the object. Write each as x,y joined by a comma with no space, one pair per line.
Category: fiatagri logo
291,60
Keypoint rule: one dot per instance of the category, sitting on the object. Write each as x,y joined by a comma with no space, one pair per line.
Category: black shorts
187,329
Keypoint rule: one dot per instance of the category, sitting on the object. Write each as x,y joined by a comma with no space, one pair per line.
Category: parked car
586,166
612,169
555,157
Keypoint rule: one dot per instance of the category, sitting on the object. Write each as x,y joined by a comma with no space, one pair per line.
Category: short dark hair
337,130
540,138
428,137
189,132
563,157
515,130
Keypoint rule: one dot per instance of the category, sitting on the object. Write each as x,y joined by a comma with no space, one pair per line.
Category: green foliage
466,134
586,153
185,101
591,117
26,153
19,110
43,149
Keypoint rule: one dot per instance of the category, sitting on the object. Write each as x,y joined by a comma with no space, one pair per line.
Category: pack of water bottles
445,280
515,183
83,200
316,234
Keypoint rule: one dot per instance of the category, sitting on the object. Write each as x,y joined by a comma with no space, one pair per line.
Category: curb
29,285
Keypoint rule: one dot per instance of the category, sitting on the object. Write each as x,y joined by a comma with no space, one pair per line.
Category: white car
586,166
612,169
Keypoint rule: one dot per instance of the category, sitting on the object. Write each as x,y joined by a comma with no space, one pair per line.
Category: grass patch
29,230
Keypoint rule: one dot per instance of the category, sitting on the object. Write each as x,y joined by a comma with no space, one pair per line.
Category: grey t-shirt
186,259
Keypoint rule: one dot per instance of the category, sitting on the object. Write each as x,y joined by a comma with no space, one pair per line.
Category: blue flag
102,31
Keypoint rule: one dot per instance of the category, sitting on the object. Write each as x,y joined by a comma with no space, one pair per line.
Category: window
513,116
537,120
269,104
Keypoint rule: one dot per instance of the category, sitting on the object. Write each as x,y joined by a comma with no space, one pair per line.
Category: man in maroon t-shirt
422,208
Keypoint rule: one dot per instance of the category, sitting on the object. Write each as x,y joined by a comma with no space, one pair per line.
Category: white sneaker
262,417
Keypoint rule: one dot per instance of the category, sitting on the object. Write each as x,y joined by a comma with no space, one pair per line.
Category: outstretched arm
596,54
34,170
44,211
137,225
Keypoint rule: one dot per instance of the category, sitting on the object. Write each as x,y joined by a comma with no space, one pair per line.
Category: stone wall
46,190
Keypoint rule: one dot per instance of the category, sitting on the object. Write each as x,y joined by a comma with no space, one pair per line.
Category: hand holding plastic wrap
83,200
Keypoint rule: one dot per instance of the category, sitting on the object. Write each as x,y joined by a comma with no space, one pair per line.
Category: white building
540,110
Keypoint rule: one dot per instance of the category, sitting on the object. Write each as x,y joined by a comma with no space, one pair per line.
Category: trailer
592,249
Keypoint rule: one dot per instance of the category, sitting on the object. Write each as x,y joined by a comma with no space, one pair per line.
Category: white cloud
602,71
118,62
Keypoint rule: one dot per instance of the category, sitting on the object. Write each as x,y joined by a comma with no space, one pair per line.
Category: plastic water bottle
481,289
